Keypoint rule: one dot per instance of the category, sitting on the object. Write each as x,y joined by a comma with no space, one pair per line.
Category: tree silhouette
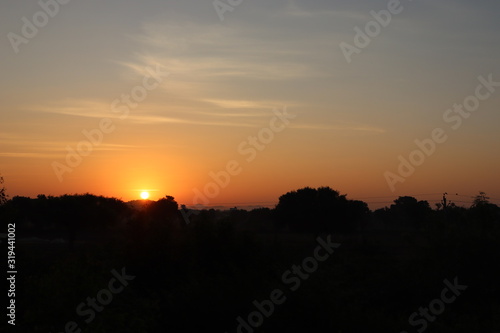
484,214
3,193
162,211
480,200
408,210
319,210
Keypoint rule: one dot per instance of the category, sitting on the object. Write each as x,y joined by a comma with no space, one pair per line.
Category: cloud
218,71
240,104
28,155
16,146
87,108
197,52
340,127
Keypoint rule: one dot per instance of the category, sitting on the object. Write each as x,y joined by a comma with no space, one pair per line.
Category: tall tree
318,210
480,200
3,193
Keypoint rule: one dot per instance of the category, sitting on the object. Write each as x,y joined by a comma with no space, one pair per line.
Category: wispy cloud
156,113
340,127
28,155
239,104
74,107
16,146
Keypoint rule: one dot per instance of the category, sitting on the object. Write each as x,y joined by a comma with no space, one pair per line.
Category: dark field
195,281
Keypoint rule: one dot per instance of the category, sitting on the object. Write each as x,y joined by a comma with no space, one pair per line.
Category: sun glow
144,195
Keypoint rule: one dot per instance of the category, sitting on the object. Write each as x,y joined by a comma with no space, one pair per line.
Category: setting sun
145,195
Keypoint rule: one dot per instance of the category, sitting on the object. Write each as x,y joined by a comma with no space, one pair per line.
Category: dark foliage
203,275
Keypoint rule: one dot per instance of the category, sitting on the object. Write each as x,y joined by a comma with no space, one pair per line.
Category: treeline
199,270
307,210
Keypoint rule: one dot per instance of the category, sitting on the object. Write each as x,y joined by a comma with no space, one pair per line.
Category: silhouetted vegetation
202,275
321,210
3,194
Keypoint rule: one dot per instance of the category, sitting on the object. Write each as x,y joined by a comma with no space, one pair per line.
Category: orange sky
173,94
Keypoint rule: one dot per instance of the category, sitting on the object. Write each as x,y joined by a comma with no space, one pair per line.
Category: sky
238,102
